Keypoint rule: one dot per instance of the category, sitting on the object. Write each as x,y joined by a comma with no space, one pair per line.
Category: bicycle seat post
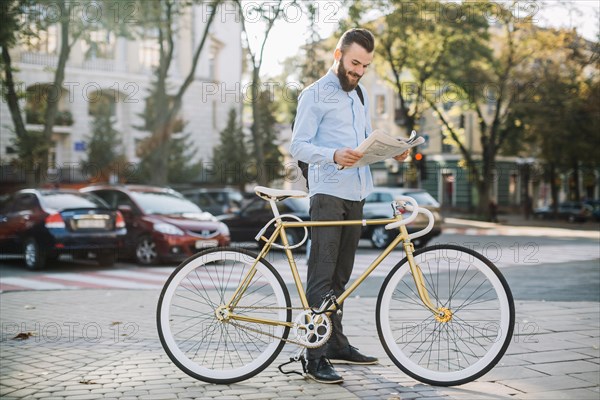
274,209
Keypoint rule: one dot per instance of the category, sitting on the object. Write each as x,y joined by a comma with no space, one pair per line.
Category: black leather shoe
349,355
322,371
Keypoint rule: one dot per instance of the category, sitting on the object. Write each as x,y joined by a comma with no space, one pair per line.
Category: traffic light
420,164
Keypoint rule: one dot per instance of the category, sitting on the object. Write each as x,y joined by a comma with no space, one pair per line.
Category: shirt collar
333,78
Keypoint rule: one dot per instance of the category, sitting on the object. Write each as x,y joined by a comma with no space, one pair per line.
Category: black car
572,211
255,213
215,201
43,224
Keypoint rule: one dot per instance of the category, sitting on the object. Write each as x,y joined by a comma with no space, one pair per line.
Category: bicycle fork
441,314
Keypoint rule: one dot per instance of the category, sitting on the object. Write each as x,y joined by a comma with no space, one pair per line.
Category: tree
181,151
22,20
265,119
230,156
490,87
269,12
178,150
162,16
103,155
559,120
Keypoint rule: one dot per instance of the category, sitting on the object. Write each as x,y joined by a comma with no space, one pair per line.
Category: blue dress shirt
328,118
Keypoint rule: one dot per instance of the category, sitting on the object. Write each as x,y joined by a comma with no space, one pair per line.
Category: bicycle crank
312,330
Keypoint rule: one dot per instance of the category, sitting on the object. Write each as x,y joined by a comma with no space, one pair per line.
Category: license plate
91,223
202,244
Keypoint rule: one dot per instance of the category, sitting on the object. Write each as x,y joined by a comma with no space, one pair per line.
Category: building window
38,97
149,54
45,41
101,104
102,44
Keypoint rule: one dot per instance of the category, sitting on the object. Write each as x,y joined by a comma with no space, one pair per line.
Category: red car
43,224
162,225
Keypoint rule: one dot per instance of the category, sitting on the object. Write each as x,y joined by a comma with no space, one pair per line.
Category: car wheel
145,251
420,243
380,237
106,259
35,255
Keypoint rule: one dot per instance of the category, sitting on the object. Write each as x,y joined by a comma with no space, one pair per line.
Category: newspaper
380,146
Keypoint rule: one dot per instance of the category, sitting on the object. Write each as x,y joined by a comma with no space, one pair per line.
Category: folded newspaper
380,146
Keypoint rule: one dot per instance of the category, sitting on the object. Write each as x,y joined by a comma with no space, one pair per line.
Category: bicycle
445,314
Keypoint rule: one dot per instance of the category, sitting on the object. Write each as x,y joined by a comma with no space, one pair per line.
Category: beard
344,77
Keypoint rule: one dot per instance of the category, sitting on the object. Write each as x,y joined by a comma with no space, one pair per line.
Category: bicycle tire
188,326
474,290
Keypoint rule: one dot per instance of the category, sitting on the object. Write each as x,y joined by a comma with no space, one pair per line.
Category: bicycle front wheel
464,343
205,346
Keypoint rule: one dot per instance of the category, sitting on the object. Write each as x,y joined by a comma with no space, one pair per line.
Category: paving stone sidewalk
94,344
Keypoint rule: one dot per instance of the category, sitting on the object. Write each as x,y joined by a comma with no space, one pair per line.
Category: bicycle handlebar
415,210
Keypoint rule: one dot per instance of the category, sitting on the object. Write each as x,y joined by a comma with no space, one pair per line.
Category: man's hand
346,157
402,157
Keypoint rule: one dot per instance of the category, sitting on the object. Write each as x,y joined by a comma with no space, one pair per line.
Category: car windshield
62,201
164,203
423,198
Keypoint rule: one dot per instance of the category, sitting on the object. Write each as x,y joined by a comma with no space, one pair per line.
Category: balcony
62,123
103,64
45,59
37,117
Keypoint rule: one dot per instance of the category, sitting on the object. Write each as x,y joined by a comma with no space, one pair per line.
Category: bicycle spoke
200,325
451,348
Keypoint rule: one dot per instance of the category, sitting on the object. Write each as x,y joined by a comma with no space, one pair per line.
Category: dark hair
363,37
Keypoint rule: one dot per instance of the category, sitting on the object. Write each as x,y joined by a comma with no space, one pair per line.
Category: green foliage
559,114
103,153
181,151
273,159
231,158
174,151
31,148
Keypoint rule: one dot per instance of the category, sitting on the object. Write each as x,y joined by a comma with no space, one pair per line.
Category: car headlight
168,229
224,229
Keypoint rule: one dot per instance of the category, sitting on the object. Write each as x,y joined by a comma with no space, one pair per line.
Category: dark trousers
331,258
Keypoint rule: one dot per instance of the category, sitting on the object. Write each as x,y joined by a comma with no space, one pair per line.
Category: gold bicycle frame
280,232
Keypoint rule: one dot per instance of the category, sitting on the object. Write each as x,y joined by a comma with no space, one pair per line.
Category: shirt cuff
331,154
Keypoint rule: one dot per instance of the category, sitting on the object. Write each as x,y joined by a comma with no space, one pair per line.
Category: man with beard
332,120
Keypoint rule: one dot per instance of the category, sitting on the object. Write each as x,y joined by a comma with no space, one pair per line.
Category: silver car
378,205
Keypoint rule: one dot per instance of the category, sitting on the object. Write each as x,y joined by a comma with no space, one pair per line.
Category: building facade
113,70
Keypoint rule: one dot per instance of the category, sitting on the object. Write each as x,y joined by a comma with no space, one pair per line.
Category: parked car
378,205
595,209
43,224
162,225
215,201
572,211
256,212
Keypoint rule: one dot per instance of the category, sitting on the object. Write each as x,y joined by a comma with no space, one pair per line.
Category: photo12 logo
53,332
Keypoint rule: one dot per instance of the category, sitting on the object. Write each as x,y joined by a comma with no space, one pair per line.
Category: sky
289,34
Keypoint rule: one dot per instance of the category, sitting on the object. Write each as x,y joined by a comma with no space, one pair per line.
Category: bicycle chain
268,334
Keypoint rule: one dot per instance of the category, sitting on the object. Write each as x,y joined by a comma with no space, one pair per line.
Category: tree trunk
553,188
575,195
486,203
11,96
262,174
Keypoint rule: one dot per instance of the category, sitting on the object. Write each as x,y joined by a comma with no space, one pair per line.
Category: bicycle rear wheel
207,348
472,337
